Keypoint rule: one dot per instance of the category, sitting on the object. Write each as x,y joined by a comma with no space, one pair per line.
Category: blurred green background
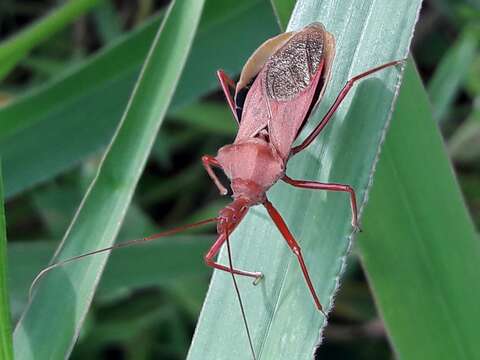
149,298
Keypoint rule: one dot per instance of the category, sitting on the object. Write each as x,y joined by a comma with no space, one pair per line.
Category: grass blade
6,345
284,322
15,48
446,82
419,246
62,298
108,22
463,145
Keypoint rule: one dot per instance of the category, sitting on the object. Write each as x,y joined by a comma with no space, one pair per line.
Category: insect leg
329,187
337,103
214,251
292,243
225,83
209,161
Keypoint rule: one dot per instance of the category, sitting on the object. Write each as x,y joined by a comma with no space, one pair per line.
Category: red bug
279,86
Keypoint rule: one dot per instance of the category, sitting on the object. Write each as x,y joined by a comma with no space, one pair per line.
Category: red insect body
289,74
278,88
283,80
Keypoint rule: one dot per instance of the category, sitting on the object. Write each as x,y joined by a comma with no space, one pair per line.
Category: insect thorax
252,165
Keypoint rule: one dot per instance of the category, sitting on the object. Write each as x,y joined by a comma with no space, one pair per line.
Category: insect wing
289,116
293,71
257,60
282,118
254,118
255,114
295,78
252,102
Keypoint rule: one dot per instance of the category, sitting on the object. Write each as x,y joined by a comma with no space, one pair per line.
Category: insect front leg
209,161
337,103
292,243
329,187
214,251
226,83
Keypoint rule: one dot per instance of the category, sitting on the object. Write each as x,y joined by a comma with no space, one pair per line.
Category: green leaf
451,72
205,117
18,46
6,346
62,298
61,115
282,317
108,21
419,246
463,146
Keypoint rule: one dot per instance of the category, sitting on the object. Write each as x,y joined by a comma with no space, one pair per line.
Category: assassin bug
279,86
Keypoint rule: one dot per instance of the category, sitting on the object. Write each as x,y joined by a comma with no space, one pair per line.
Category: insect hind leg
314,185
292,243
341,95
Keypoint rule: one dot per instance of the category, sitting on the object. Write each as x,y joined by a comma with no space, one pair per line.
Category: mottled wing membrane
289,116
257,60
286,87
291,69
250,70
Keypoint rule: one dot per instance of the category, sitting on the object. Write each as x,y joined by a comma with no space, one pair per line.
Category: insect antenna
242,309
176,230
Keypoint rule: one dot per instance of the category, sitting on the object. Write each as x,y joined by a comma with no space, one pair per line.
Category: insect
279,87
